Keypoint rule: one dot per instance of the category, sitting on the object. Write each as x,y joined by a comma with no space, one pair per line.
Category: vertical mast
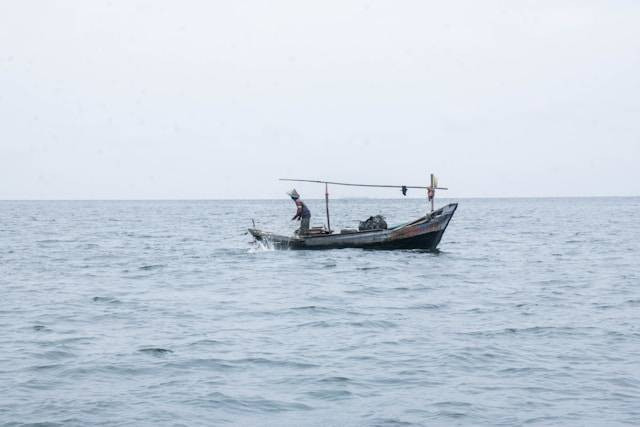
326,200
432,193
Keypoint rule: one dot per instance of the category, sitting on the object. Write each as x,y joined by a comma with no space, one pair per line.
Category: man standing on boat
303,214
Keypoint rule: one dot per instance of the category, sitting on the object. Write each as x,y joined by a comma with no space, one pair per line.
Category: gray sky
205,99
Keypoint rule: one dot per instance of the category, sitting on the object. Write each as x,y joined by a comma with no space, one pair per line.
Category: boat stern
257,234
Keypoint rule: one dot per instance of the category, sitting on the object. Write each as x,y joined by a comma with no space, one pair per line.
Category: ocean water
164,313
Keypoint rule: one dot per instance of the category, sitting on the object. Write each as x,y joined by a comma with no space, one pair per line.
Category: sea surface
164,313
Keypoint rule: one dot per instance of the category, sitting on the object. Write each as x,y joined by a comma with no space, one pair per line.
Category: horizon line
310,198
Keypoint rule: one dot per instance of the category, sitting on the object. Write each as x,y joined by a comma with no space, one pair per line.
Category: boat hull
424,233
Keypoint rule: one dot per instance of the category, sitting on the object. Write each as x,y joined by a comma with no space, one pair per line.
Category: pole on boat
431,190
326,200
432,193
316,181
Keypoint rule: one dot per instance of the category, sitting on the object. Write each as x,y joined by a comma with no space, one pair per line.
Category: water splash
261,246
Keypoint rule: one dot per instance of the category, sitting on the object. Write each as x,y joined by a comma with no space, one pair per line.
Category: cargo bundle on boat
423,233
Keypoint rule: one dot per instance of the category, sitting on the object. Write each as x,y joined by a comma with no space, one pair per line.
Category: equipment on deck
373,223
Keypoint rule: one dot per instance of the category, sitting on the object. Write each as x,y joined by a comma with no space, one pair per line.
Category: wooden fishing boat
424,233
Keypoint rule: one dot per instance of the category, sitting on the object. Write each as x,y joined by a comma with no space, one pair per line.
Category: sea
165,313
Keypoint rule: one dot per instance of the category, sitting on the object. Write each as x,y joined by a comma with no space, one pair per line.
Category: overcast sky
204,99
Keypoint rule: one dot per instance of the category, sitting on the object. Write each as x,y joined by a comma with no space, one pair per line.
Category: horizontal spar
359,185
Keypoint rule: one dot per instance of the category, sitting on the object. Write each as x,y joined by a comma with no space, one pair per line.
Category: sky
128,99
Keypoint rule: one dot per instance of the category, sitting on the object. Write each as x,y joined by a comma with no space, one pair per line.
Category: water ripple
165,313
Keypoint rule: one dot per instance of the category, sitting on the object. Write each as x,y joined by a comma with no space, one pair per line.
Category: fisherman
303,214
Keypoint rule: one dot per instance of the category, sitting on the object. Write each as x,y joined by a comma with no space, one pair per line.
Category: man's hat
293,193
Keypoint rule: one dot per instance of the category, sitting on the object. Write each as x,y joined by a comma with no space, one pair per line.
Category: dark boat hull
424,233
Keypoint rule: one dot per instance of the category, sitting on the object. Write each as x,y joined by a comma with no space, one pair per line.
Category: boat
423,233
